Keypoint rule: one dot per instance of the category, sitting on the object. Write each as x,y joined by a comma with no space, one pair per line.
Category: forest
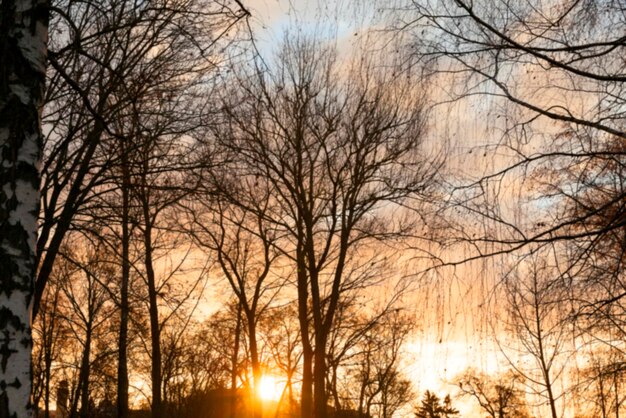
359,209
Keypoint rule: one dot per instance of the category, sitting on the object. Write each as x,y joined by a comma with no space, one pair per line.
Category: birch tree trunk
23,39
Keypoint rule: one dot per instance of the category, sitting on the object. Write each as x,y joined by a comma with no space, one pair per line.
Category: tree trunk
122,365
545,367
155,332
23,38
319,375
306,395
290,392
48,368
257,410
82,391
46,397
334,389
234,365
319,370
364,382
617,392
84,395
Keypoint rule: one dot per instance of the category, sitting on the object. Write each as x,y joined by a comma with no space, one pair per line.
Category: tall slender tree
23,39
534,318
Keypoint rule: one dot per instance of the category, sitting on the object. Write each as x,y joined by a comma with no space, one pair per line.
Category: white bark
23,38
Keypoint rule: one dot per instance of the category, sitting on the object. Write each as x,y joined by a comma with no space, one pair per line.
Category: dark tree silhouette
499,396
332,149
433,407
535,321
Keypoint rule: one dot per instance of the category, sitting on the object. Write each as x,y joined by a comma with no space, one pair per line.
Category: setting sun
269,389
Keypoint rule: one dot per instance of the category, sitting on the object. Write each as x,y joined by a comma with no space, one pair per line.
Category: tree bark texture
23,39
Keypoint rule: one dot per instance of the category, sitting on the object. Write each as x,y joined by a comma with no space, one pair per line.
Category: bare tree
76,312
499,396
539,327
281,335
594,274
193,365
340,152
382,387
244,246
364,352
49,333
86,293
598,384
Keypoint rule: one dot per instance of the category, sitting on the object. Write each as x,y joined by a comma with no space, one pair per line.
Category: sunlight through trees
396,208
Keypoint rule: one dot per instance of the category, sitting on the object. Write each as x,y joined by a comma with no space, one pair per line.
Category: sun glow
269,388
